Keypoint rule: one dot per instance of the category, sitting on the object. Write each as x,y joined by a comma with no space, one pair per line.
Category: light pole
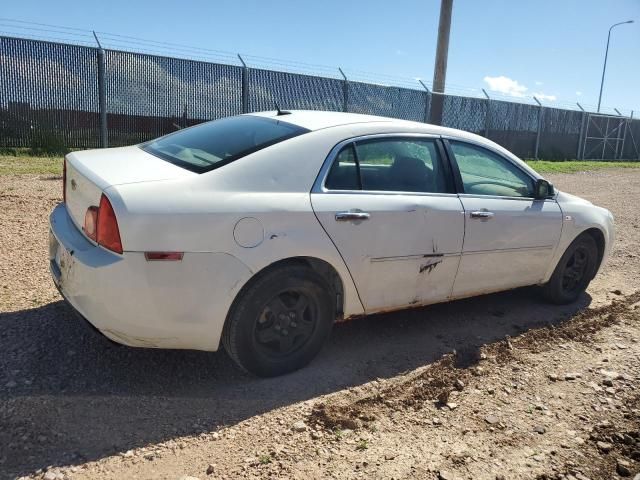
606,53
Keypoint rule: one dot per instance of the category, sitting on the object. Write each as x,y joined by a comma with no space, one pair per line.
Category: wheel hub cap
575,270
286,323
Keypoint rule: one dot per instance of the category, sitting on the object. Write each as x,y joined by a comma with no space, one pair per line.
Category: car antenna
281,112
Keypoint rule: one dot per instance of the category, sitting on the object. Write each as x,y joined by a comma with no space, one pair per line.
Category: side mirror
543,189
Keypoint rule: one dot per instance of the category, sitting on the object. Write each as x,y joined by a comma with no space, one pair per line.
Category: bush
47,143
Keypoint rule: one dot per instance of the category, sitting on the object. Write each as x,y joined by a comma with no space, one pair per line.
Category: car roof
317,120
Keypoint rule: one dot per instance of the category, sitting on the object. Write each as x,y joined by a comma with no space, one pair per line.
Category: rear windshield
213,144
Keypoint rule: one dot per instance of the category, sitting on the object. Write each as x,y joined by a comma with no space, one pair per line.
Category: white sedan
260,231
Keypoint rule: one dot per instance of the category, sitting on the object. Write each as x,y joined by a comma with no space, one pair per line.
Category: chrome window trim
500,197
385,192
319,184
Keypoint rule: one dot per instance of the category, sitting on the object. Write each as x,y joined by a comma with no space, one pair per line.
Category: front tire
574,272
280,321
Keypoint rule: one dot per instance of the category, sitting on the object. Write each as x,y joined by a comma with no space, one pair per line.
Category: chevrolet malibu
260,231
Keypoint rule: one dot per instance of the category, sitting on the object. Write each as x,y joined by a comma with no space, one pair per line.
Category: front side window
486,173
210,145
392,165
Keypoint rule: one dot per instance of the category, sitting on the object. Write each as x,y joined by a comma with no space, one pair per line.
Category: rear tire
574,272
280,321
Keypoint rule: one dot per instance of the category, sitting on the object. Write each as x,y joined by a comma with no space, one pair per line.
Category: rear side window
210,145
391,165
344,171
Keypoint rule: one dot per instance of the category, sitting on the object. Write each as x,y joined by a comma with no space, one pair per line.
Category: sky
553,49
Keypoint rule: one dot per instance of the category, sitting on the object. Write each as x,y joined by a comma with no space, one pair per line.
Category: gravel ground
385,399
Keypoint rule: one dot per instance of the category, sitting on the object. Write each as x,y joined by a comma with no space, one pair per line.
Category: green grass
573,166
23,164
362,445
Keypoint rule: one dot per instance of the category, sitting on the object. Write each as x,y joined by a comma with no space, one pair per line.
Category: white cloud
544,96
505,85
578,93
401,53
511,87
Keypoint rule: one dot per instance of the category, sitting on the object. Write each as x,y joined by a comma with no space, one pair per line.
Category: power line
177,46
10,25
48,38
166,51
4,19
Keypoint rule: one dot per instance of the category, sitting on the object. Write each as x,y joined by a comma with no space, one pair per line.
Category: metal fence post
618,155
583,121
488,115
245,86
630,125
345,91
624,136
102,94
540,115
632,139
427,103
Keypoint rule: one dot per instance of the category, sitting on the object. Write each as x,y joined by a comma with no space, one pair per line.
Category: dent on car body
136,341
430,265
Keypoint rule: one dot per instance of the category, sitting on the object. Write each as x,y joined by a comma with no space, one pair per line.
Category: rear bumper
144,304
89,326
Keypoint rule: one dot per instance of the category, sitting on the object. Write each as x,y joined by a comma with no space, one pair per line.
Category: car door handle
481,214
347,216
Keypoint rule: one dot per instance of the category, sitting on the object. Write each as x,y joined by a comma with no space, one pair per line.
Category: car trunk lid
90,173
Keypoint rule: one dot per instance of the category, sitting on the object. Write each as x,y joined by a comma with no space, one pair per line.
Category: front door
510,236
389,207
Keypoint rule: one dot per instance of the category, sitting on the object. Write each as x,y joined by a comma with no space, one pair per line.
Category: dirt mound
435,382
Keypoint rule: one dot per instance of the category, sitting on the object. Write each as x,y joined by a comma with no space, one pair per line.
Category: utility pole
440,68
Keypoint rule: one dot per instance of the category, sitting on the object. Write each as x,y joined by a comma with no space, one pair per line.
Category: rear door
389,206
509,235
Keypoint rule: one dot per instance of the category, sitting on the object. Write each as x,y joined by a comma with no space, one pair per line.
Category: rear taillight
108,232
91,223
64,181
101,225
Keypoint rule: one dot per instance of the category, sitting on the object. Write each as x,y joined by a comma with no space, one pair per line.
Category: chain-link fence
50,94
